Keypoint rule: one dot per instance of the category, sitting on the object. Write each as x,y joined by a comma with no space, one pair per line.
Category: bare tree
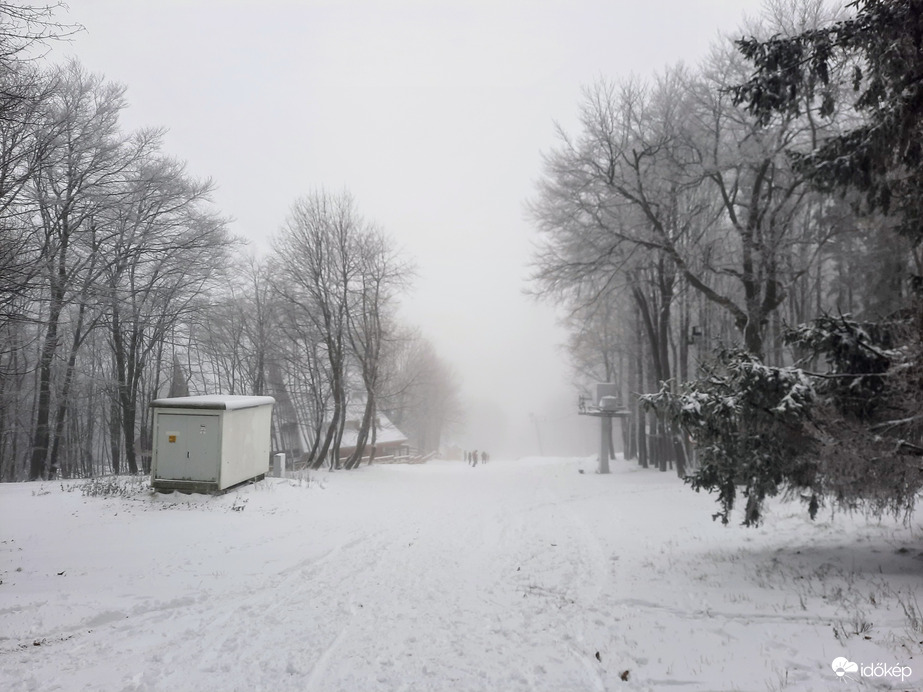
19,154
677,173
316,265
380,274
26,31
82,163
419,391
166,248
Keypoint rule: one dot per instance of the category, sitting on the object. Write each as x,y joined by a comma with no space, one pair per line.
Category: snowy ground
517,575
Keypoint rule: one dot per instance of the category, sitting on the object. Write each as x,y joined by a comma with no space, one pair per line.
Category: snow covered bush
852,434
114,486
749,423
868,413
858,356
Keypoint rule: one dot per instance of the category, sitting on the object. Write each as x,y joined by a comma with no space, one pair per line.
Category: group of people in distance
472,457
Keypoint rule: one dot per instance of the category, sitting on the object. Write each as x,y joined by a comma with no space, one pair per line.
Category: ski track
494,578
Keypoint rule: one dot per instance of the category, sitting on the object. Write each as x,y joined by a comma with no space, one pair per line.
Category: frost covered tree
370,322
337,276
315,266
721,177
25,31
870,430
751,430
103,240
420,391
82,162
867,439
165,249
881,153
675,180
851,435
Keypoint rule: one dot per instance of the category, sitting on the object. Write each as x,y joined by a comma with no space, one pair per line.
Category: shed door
188,446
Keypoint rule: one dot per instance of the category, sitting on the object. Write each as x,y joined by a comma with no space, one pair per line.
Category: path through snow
515,575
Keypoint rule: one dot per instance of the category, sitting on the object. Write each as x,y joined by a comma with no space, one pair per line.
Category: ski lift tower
607,407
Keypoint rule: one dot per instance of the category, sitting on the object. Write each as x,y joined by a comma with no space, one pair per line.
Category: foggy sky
433,115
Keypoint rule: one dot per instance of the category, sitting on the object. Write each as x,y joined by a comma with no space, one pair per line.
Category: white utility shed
210,442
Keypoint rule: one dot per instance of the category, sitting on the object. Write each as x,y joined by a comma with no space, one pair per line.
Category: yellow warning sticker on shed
171,437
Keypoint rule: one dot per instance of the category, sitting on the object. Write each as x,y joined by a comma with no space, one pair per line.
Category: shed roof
224,402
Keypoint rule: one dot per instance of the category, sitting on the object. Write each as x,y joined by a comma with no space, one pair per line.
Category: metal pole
604,440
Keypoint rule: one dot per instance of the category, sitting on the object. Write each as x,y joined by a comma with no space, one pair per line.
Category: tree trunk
64,401
331,438
679,454
129,417
640,422
363,432
372,442
42,437
115,434
641,437
129,398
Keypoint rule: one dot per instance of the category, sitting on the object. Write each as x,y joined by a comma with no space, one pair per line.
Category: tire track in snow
545,574
591,672
222,622
578,586
361,615
319,668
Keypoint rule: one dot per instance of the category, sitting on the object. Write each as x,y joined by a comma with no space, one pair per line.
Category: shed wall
246,436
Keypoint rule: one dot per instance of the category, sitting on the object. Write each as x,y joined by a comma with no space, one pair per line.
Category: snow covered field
517,575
